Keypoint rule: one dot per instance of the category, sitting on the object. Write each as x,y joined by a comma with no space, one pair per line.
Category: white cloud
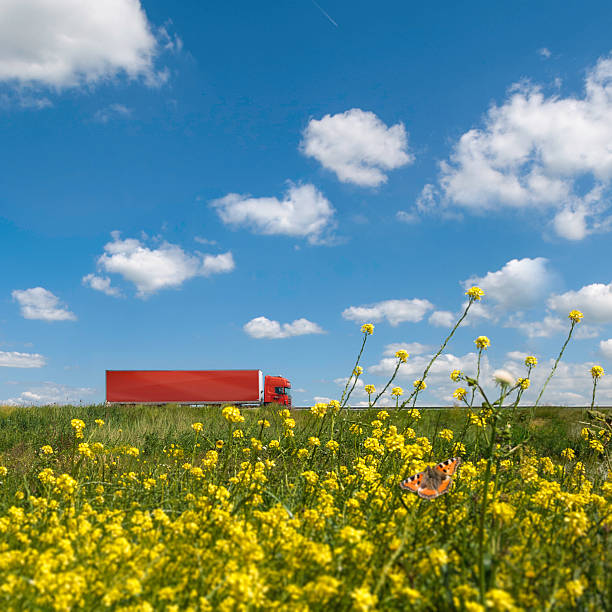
407,217
520,283
50,393
21,360
594,301
413,348
218,264
605,347
100,283
304,212
395,311
112,111
442,318
538,329
357,146
67,43
537,152
153,269
40,303
262,327
545,52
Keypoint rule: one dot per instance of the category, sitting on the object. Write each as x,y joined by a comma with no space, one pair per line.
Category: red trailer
196,387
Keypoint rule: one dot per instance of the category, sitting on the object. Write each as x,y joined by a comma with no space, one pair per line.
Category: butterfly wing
431,489
412,483
449,467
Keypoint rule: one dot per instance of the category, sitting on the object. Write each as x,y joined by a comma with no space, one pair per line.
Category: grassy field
176,508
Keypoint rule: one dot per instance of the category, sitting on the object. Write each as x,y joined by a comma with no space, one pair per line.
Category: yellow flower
531,361
219,444
3,470
232,414
459,393
575,316
303,453
78,427
596,445
333,446
363,600
310,477
334,405
455,375
402,355
369,389
358,371
274,444
367,328
597,372
523,382
397,391
197,427
238,433
99,422
419,384
568,454
46,450
319,409
446,434
482,342
314,441
499,600
474,293
263,423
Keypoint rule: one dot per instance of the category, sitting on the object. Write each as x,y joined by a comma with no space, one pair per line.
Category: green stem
399,363
365,337
442,347
552,371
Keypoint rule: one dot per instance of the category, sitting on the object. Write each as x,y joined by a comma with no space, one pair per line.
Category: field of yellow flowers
185,508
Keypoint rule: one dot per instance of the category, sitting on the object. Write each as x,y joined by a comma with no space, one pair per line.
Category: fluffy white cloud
40,303
50,393
13,359
520,283
152,269
442,318
357,146
594,301
262,327
539,329
413,348
218,264
395,311
539,152
605,347
304,212
66,43
100,283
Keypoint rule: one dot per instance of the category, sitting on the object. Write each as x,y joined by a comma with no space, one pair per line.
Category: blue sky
236,185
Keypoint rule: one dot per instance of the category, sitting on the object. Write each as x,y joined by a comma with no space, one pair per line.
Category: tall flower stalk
575,316
367,330
474,295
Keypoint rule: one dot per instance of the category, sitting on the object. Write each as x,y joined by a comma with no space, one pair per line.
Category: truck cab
277,390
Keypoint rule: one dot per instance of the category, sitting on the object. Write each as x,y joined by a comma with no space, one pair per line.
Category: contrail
321,9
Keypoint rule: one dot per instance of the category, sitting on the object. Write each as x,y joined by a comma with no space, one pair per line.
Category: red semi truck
196,387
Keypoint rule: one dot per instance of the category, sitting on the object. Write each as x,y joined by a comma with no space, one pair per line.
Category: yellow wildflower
597,372
482,342
402,355
475,293
367,328
419,384
575,316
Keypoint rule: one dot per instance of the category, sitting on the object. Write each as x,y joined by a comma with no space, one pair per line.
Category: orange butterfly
433,481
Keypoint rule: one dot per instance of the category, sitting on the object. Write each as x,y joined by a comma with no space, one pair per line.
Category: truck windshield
282,390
